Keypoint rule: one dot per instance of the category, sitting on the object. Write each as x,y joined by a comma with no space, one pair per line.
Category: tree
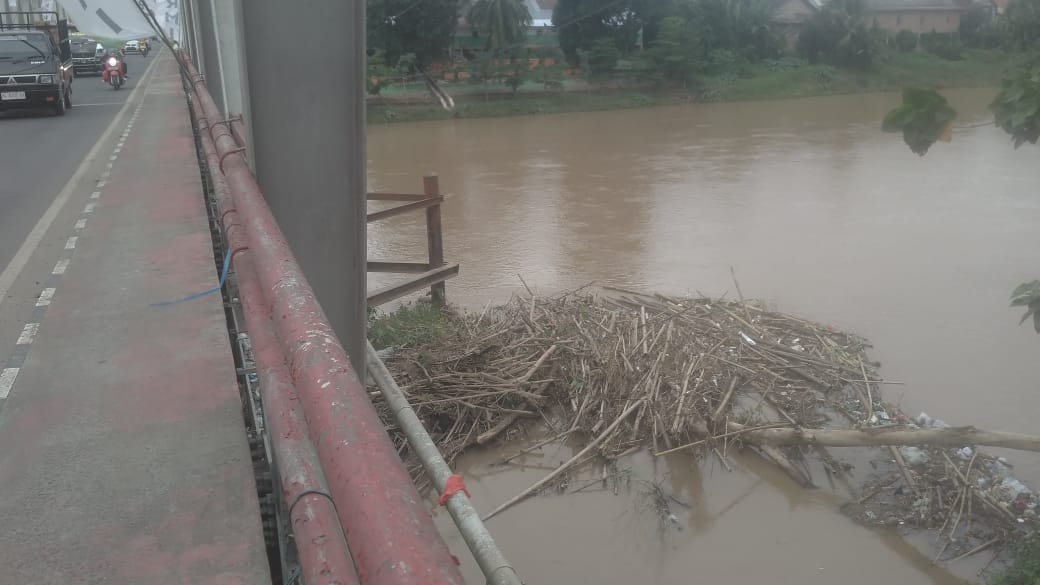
749,24
677,51
651,14
924,118
425,28
972,21
603,57
1021,24
378,72
838,32
504,22
581,23
482,70
515,73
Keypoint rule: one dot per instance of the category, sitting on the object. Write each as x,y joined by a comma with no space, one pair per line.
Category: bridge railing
337,465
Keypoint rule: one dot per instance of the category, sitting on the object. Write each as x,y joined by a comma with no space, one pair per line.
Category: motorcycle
115,73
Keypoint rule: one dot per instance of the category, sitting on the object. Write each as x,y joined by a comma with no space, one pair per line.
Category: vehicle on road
132,48
35,62
115,72
88,56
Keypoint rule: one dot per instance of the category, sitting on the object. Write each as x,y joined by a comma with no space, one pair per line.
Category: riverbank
775,80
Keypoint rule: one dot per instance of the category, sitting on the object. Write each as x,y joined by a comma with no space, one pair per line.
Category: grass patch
1025,570
976,68
411,325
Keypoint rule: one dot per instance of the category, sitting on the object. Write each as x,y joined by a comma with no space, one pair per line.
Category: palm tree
504,22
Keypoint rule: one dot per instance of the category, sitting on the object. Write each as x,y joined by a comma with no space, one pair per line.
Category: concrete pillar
228,18
228,55
206,31
194,40
307,96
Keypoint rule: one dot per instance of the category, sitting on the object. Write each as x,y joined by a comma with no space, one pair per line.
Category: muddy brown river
819,214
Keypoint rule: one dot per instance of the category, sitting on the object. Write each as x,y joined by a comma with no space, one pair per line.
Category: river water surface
820,214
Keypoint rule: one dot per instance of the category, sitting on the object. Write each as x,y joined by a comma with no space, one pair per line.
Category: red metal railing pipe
390,532
320,542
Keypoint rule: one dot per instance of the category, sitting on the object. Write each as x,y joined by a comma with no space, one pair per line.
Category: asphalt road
39,152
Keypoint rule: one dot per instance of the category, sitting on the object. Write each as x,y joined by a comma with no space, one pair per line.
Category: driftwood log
891,436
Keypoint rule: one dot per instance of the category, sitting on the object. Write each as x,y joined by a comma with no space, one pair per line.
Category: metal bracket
237,250
225,155
224,214
228,121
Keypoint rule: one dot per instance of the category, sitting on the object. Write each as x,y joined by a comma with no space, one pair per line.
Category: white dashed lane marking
7,378
28,334
70,244
45,297
61,266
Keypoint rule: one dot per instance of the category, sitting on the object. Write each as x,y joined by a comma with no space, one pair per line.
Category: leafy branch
1016,108
924,117
1028,295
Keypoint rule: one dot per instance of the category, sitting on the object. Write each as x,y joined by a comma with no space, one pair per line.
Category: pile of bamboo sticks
629,371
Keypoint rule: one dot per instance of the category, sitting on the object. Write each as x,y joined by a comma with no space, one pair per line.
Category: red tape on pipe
453,486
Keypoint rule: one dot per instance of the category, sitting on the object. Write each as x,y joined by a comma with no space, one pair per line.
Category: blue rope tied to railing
223,278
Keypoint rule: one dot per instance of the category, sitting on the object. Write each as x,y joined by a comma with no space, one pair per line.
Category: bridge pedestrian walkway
123,453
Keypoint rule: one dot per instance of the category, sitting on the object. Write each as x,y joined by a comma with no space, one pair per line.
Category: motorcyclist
118,57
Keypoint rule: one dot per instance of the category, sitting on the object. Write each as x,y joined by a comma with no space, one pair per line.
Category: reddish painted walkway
123,456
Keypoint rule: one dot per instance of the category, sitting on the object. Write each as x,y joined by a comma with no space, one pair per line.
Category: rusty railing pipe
320,542
390,532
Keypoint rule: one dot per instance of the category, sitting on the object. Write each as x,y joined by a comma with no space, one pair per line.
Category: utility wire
150,17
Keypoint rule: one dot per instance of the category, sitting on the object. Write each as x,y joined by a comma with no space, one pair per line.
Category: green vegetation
1025,570
410,325
503,22
630,53
405,27
782,78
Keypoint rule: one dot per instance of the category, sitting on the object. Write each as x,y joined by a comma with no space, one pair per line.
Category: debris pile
629,371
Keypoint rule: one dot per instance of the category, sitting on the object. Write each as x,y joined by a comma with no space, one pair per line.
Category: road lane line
32,241
61,266
70,244
89,207
7,378
80,224
45,297
28,334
